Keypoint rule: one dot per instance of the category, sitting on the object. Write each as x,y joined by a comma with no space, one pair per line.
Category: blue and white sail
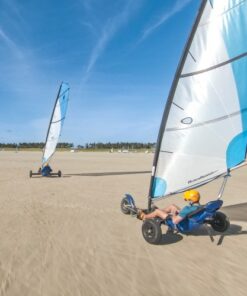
56,122
203,133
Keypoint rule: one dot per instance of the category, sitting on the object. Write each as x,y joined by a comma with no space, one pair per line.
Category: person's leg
171,209
156,213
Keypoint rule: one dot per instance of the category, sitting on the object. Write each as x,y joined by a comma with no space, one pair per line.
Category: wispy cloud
90,27
10,43
179,5
14,9
108,31
87,4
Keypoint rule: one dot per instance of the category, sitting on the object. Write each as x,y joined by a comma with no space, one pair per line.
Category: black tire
151,231
125,206
30,174
220,222
59,173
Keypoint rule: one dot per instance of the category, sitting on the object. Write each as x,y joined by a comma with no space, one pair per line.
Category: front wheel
125,206
151,231
220,222
59,173
30,174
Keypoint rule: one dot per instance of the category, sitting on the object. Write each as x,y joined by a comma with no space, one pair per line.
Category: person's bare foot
140,214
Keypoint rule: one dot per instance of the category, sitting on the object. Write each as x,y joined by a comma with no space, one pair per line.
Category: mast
52,117
170,97
56,122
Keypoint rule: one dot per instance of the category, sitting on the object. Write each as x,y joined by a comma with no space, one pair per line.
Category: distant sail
56,122
203,133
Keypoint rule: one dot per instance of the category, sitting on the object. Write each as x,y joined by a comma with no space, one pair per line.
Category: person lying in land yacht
177,214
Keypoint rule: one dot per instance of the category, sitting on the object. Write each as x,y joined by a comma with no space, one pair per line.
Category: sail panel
220,28
56,122
205,130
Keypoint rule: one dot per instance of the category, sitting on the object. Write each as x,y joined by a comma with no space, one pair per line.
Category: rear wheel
151,231
59,173
30,174
125,206
220,222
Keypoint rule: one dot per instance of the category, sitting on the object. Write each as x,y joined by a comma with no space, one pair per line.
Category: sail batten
214,67
225,117
56,122
203,133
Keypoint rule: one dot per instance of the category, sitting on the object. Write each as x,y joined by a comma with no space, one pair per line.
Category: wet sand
67,236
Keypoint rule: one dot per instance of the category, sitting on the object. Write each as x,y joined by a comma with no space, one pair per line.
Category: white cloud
109,30
10,43
14,9
87,4
179,5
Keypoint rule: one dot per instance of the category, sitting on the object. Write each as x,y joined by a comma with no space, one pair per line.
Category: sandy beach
67,236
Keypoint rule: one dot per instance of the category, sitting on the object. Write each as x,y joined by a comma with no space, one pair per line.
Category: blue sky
119,57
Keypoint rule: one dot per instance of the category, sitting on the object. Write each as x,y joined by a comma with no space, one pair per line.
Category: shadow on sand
108,174
234,212
171,238
50,177
233,230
